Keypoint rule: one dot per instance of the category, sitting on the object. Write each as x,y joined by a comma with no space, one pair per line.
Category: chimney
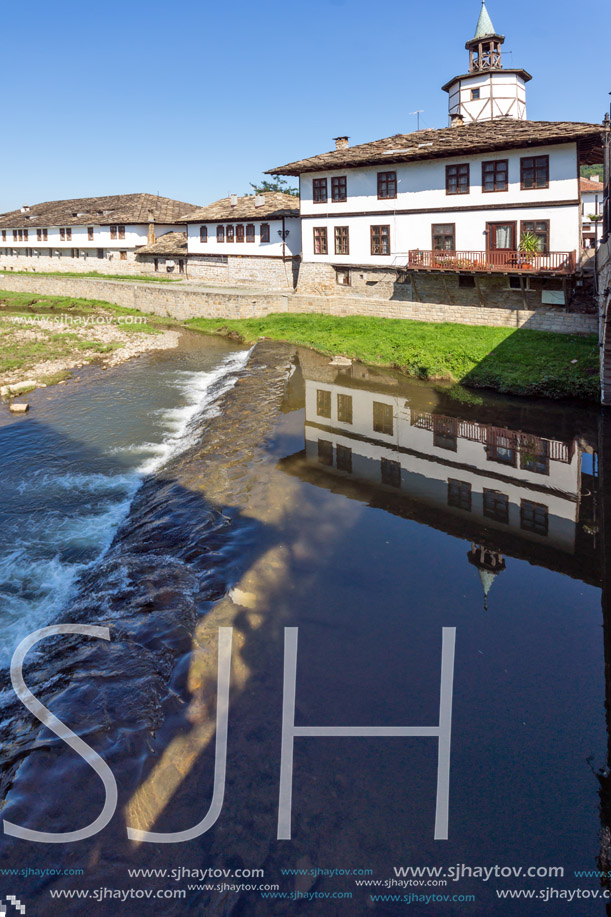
457,120
341,143
259,200
151,233
594,177
25,208
233,200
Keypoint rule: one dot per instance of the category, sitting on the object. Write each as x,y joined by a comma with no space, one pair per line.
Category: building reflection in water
514,478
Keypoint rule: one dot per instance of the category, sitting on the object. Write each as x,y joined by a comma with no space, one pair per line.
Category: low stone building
166,255
254,239
100,234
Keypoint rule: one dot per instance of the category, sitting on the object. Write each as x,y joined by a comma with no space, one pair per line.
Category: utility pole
418,113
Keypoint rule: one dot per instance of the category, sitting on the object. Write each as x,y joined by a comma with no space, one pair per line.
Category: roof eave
526,76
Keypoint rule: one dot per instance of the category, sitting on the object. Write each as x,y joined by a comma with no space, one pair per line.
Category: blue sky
195,101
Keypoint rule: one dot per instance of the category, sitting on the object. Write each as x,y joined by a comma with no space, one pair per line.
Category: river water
219,487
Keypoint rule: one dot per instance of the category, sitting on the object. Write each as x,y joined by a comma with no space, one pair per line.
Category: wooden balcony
503,262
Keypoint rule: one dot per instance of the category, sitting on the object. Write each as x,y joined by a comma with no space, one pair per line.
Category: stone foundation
435,288
183,301
274,273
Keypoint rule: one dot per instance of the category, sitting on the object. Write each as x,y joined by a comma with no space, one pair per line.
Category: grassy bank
516,361
49,334
142,278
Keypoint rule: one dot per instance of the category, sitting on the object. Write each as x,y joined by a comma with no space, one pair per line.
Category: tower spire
484,23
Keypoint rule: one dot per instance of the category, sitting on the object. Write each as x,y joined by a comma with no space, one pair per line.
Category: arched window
220,233
230,234
265,232
250,232
239,233
203,233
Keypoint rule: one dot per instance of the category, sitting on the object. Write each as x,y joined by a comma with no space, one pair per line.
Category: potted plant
530,247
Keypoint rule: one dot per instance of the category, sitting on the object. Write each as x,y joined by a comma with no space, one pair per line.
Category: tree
279,184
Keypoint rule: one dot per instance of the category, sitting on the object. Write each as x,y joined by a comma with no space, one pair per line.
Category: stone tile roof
169,244
485,136
272,205
586,185
117,208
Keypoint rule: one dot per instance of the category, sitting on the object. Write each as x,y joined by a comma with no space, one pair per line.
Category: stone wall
472,290
184,300
275,273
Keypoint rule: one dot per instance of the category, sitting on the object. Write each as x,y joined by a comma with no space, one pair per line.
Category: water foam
46,552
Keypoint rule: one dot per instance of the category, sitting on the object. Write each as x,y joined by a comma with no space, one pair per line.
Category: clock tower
489,90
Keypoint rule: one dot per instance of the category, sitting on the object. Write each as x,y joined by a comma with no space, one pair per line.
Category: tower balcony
494,262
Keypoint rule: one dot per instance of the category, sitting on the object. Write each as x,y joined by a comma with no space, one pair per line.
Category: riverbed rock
340,361
17,388
19,408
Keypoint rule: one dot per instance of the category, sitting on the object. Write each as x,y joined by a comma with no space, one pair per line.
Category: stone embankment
187,300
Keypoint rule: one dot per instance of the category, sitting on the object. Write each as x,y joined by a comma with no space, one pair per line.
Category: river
216,486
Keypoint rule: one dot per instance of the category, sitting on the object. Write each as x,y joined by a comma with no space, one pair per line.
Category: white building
254,238
101,234
592,194
442,215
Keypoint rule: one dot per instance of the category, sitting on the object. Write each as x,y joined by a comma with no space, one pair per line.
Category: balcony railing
506,262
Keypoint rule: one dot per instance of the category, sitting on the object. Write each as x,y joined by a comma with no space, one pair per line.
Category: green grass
35,304
143,278
516,361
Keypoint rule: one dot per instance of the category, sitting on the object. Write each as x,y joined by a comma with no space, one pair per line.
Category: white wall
501,94
135,235
421,186
272,248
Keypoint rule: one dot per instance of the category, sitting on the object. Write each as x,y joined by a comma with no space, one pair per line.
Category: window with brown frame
4,235
534,172
220,233
121,231
25,235
538,228
323,402
265,232
319,190
15,237
90,233
382,418
123,256
494,175
344,408
390,472
229,234
459,494
534,517
339,188
380,240
342,240
501,449
534,455
496,506
457,179
239,232
203,233
325,452
387,185
444,237
343,458
250,232
113,232
320,240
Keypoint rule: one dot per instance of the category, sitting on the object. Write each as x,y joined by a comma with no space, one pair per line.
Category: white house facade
253,238
486,210
87,234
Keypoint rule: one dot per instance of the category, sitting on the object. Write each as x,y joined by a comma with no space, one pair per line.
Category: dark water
368,511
